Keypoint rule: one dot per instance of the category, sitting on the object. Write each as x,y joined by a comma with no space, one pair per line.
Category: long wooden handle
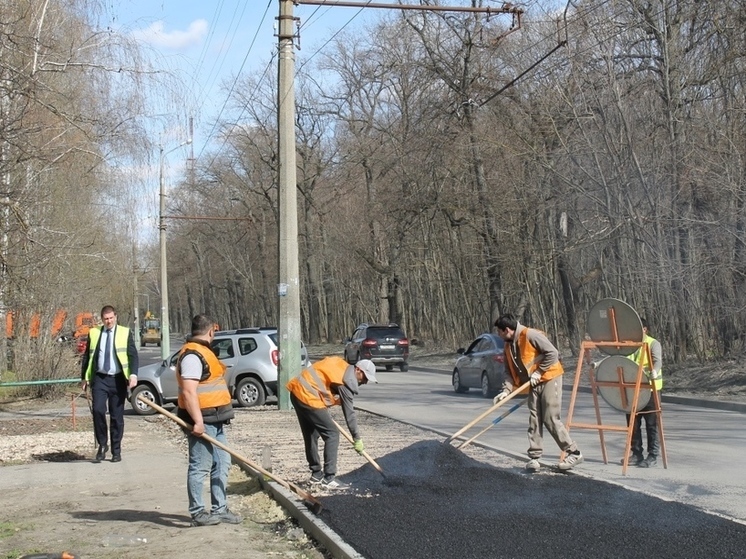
481,416
365,454
493,423
310,499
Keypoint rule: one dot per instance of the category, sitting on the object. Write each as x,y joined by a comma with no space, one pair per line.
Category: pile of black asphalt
434,501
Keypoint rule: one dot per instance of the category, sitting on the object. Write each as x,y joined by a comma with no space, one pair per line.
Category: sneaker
533,465
228,517
330,482
571,460
316,478
204,519
634,460
649,462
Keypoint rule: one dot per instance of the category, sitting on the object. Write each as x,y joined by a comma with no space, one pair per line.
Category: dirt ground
106,521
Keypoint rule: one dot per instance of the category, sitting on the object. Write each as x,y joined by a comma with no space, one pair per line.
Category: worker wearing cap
328,382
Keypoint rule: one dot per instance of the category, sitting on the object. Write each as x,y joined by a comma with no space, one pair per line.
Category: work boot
649,462
533,465
571,460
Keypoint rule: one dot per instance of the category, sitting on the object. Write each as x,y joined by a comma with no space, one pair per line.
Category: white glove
535,378
500,397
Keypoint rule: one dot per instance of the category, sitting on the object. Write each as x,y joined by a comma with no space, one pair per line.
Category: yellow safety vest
641,358
121,337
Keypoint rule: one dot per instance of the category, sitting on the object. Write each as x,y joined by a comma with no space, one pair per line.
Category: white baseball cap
368,368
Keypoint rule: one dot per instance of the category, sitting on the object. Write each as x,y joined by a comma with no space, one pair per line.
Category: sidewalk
132,509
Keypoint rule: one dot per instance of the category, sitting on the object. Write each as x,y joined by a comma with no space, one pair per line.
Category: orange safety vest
212,390
313,387
530,357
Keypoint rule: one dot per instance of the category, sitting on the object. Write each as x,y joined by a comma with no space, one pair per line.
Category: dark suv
384,344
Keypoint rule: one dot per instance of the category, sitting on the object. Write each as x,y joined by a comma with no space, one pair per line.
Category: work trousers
315,423
109,391
651,428
544,404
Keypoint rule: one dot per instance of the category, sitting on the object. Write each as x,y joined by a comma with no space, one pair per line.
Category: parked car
384,344
481,366
251,355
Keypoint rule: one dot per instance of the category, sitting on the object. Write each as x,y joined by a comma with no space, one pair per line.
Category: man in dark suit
109,366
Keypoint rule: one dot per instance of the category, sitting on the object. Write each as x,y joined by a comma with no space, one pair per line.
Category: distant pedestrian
205,404
328,382
530,356
109,366
654,376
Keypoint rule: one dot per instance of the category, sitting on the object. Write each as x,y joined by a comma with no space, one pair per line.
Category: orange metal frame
586,346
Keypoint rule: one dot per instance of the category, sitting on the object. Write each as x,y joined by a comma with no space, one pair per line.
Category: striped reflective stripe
320,387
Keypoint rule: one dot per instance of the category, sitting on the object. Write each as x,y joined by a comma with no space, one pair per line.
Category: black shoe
316,478
116,458
634,459
101,454
649,462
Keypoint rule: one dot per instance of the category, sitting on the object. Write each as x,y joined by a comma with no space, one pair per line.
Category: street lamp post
165,332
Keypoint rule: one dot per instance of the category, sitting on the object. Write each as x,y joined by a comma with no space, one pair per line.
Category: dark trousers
315,423
109,391
651,429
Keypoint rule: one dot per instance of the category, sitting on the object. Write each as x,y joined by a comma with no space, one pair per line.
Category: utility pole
135,294
165,330
288,287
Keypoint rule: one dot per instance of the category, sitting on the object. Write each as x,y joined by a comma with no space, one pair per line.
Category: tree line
452,167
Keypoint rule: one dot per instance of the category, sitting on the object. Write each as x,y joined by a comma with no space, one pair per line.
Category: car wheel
389,368
142,343
139,407
250,392
486,386
404,367
456,382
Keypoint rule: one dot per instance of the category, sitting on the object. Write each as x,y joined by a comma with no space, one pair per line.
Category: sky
211,42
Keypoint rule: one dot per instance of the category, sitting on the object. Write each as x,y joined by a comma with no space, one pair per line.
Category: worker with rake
531,357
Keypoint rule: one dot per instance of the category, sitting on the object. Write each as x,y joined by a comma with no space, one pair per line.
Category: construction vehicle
150,332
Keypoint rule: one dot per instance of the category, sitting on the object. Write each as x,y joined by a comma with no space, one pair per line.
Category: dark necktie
107,352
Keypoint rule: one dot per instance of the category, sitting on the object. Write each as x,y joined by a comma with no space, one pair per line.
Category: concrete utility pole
165,331
288,288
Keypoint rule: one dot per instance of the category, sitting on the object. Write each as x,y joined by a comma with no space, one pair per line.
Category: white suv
251,355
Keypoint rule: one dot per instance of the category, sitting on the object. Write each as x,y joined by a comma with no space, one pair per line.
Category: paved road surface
706,448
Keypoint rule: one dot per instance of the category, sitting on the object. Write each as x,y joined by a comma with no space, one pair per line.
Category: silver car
251,355
481,366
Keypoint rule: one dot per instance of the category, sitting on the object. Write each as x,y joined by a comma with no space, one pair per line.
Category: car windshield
385,332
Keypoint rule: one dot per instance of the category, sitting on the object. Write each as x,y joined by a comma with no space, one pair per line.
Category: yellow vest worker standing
328,382
655,376
109,366
530,356
205,403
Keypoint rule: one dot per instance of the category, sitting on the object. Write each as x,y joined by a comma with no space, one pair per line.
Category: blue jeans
206,459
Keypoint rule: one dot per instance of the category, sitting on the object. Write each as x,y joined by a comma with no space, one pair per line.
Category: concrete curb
307,520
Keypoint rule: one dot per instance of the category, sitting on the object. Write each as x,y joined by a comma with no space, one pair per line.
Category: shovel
493,423
481,416
311,502
365,454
